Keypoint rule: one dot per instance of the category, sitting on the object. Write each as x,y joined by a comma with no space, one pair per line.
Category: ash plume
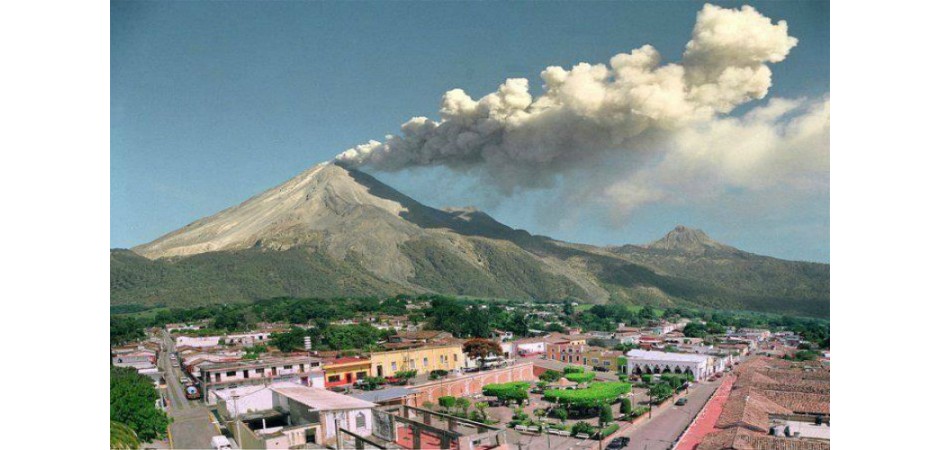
620,130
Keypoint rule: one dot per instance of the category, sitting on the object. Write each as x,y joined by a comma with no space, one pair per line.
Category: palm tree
123,437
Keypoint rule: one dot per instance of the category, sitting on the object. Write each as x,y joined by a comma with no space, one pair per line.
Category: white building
284,415
530,347
644,361
198,341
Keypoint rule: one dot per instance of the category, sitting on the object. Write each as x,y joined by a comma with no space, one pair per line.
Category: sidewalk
705,421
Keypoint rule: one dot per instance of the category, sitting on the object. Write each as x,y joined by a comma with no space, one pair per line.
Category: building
566,348
423,360
645,361
603,359
302,370
345,371
420,337
198,341
530,347
774,404
285,415
501,336
390,396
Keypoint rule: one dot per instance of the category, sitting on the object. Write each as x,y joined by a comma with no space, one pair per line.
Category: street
191,427
670,420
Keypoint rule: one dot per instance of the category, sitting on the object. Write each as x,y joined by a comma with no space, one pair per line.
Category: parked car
682,401
221,443
618,443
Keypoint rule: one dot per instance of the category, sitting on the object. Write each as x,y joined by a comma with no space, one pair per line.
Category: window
425,361
301,367
360,420
230,373
259,371
361,375
443,358
333,378
287,367
394,366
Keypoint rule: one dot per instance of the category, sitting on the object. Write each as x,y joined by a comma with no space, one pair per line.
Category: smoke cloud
625,131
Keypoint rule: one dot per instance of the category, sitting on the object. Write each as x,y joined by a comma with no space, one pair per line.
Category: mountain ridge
333,231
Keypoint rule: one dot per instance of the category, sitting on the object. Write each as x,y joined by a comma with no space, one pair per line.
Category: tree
550,376
517,391
561,414
606,415
568,308
133,403
479,348
661,391
695,329
481,407
463,404
447,402
625,406
406,374
289,340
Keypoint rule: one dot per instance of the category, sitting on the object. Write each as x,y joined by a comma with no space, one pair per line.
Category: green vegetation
580,377
550,376
661,391
506,272
240,276
626,406
447,402
133,403
516,391
596,393
123,437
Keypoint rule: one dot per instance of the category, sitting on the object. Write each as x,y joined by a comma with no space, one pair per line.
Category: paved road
670,420
191,427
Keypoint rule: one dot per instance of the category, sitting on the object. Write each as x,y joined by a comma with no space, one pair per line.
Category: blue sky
214,102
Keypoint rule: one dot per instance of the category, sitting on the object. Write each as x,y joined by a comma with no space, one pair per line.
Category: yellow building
603,358
421,359
344,371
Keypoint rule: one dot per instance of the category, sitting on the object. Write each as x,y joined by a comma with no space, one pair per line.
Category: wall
471,384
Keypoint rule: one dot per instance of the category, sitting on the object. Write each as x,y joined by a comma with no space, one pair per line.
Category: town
552,376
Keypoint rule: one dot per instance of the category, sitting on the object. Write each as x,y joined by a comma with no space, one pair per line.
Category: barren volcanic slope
336,232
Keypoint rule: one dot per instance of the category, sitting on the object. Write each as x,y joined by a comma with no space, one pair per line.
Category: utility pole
238,428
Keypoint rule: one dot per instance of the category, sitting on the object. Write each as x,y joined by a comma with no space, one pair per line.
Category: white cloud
634,131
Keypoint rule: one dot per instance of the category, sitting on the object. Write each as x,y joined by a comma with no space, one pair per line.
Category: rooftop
322,399
666,356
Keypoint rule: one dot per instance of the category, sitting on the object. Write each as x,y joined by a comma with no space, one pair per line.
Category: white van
221,443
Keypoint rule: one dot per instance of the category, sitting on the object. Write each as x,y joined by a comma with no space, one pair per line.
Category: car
184,380
682,401
221,443
618,443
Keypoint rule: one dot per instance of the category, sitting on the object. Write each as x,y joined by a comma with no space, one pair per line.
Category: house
423,359
501,336
303,370
345,371
603,359
530,347
284,415
566,348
